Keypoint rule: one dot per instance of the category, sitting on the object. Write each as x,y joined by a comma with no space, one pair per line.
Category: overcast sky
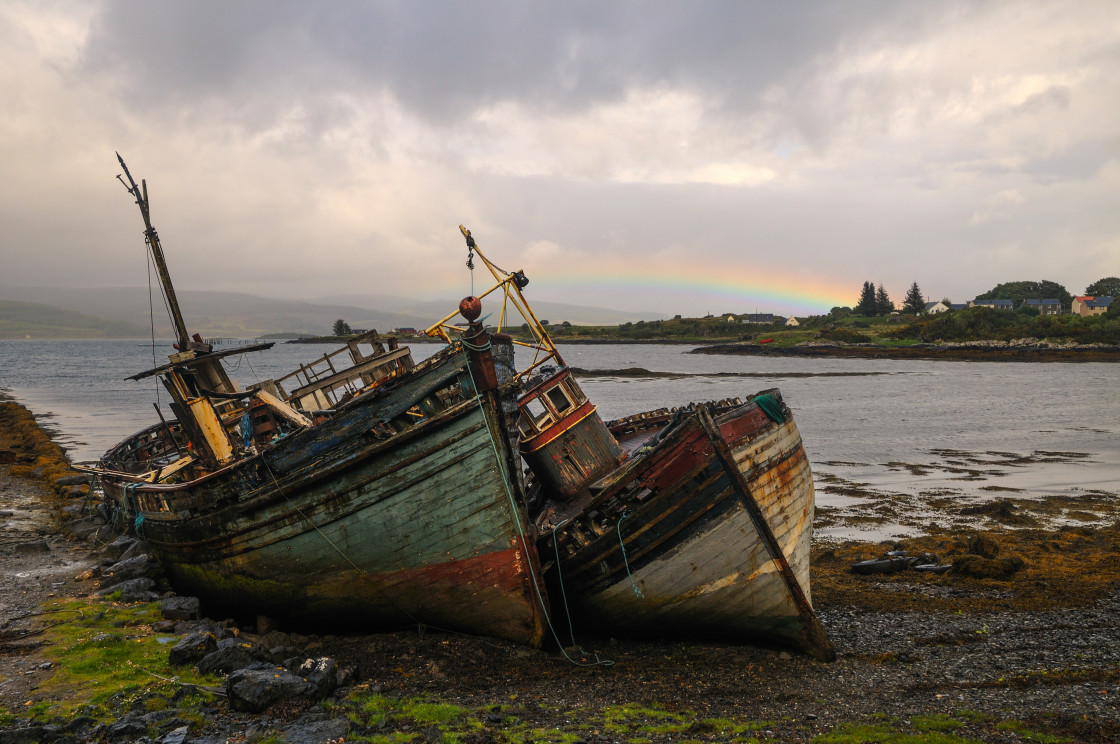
679,157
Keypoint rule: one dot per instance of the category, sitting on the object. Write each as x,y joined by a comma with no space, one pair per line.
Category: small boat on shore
702,531
384,495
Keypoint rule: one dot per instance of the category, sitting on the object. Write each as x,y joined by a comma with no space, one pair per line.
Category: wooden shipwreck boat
384,495
387,493
687,523
701,531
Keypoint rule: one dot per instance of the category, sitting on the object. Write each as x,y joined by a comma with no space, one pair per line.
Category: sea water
974,430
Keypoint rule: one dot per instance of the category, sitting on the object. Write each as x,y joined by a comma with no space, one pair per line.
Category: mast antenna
140,193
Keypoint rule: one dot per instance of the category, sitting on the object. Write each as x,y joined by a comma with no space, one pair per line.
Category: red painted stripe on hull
489,594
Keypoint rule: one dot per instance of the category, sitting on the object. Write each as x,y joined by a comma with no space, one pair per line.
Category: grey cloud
446,58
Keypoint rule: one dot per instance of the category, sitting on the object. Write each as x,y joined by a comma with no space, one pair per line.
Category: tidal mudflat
1017,642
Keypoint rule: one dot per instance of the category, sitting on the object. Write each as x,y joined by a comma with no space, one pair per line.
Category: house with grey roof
994,304
1096,306
1045,307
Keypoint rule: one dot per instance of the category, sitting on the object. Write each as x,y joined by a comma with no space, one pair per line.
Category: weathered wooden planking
691,548
425,527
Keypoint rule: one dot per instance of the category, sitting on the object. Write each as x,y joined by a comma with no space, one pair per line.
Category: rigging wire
163,293
515,512
152,320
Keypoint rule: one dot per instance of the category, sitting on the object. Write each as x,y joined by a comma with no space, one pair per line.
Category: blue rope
472,347
246,430
625,560
130,498
560,578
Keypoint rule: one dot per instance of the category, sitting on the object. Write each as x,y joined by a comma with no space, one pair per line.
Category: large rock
114,550
230,655
73,480
255,690
80,529
141,567
317,732
321,672
177,736
134,590
180,608
193,648
126,729
186,627
276,638
140,547
28,735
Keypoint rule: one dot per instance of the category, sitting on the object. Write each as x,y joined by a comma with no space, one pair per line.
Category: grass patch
936,722
1022,731
878,733
386,720
370,710
973,716
643,719
107,657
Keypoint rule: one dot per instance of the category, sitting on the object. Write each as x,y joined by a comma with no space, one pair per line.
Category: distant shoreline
976,351
969,351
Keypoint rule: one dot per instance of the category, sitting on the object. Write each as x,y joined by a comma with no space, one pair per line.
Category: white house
932,308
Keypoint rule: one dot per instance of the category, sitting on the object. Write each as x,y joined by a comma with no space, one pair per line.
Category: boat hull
336,525
705,533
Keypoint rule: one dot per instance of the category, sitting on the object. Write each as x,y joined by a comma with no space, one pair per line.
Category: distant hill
234,314
212,314
34,320
556,312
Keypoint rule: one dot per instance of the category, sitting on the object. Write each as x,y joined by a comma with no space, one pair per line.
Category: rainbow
723,289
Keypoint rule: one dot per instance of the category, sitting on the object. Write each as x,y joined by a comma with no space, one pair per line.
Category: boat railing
326,381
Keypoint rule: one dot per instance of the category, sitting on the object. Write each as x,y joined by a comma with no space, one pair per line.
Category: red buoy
470,308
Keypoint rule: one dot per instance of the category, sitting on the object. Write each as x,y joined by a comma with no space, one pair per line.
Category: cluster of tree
341,328
1107,287
874,301
1019,291
985,323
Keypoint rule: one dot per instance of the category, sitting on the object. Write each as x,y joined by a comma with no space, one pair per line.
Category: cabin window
525,426
574,391
538,414
559,399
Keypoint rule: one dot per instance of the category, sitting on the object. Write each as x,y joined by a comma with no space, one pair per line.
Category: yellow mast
511,284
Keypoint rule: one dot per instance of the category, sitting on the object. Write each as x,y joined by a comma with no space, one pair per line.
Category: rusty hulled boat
702,531
687,523
383,495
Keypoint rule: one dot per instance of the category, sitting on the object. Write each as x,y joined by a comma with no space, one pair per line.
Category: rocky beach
1017,641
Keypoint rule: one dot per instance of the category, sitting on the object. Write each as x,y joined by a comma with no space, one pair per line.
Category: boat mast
152,239
194,373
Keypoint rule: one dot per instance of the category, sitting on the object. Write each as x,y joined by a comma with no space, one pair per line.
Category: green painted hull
334,524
